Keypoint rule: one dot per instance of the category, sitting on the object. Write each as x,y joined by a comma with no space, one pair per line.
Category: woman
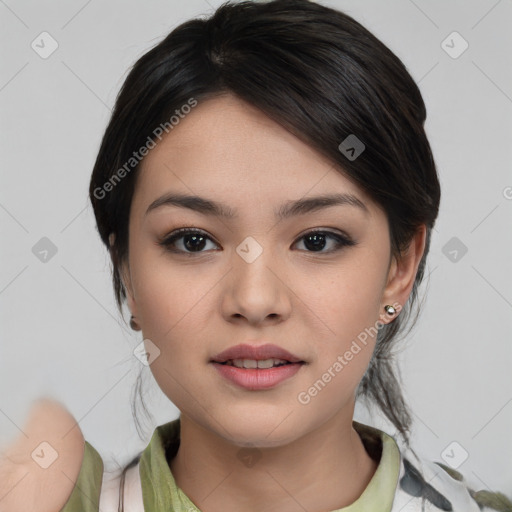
267,194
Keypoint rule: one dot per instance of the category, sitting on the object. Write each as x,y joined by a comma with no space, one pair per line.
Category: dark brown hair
322,76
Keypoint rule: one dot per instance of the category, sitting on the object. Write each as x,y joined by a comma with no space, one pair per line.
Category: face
255,277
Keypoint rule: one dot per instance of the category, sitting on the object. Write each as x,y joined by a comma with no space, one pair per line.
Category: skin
52,438
313,304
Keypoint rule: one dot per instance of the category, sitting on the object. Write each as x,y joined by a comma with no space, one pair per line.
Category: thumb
46,455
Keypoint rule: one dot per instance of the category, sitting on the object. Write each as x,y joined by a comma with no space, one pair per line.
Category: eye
316,240
194,241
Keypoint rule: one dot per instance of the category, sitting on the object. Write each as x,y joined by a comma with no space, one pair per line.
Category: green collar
160,491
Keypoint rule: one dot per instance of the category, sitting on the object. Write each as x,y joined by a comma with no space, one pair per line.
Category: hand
35,476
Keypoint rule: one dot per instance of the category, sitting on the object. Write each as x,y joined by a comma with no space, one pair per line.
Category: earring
133,324
390,310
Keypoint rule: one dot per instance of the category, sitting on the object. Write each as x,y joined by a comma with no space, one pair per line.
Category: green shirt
397,485
161,492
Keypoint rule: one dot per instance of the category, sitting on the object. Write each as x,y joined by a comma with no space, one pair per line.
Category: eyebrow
287,210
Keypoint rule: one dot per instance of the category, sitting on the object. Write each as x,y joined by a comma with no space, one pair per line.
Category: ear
402,273
124,272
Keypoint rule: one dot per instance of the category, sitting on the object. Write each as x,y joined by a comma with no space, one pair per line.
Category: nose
256,289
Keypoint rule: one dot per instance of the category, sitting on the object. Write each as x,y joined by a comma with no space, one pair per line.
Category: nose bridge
253,260
250,249
256,289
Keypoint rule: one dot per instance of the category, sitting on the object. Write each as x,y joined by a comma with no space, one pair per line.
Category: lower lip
255,379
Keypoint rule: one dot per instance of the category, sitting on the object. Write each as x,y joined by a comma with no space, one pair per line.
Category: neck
326,469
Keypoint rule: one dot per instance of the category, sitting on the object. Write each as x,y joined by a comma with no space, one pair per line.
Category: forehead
227,148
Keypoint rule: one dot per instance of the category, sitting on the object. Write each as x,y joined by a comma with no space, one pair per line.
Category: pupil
318,241
195,238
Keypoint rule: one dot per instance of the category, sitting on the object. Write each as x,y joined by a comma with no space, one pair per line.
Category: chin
259,432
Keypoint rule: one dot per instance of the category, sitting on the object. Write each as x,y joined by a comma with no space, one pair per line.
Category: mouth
259,364
256,356
257,367
257,374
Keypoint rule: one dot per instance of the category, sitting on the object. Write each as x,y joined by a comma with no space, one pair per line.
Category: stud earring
133,324
390,310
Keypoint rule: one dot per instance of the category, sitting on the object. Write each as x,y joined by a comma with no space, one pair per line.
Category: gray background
61,334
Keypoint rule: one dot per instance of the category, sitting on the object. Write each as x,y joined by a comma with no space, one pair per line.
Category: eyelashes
197,239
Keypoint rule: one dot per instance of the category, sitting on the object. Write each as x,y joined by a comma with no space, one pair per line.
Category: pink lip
259,353
257,378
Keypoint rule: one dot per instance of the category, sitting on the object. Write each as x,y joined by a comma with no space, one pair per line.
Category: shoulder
86,492
425,485
416,483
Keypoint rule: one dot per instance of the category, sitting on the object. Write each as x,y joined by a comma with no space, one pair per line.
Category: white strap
133,491
109,497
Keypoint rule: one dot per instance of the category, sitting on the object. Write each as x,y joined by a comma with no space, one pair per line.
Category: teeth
252,363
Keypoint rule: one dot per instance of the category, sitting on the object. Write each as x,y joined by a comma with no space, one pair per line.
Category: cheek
173,303
343,351
345,301
172,307
169,295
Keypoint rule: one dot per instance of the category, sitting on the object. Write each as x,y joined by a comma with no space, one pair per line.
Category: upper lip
259,353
